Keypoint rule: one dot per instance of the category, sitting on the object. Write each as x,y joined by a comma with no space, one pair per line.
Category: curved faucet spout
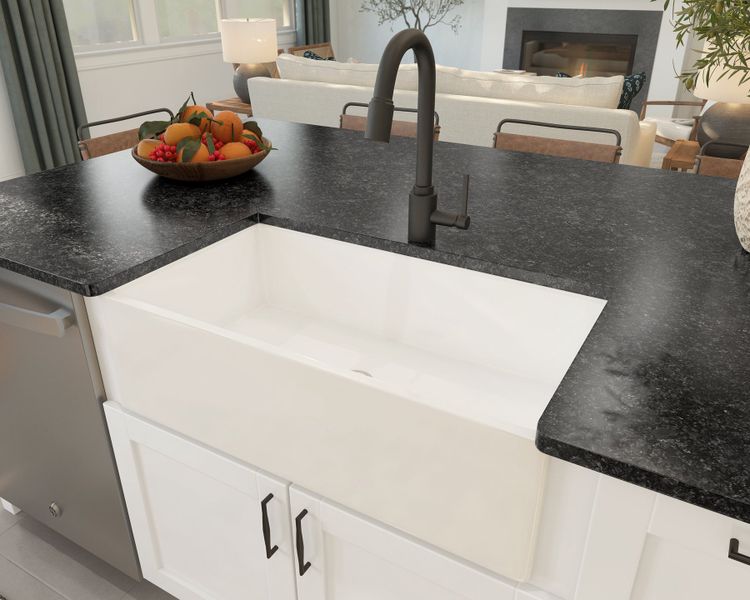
380,113
423,210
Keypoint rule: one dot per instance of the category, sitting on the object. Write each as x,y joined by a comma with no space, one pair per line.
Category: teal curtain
40,72
317,22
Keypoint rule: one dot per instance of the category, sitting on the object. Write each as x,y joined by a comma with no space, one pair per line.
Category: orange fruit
247,134
226,127
191,111
235,150
179,131
200,156
146,147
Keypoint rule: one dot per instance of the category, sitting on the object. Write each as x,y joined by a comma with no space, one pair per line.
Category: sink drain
361,372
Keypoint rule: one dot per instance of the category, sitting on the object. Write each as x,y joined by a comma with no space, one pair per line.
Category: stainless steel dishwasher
56,461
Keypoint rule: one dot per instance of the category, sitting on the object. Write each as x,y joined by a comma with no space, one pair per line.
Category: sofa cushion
601,92
299,68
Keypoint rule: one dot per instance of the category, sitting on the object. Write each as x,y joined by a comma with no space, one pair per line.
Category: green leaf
253,126
210,143
188,147
178,114
152,129
198,117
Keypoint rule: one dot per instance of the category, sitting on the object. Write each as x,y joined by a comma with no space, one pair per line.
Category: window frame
146,30
114,46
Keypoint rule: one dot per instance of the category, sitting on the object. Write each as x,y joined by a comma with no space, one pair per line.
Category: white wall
356,34
479,43
128,82
11,164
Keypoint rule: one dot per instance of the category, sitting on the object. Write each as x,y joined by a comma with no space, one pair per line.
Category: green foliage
178,114
152,129
723,28
190,147
255,128
210,143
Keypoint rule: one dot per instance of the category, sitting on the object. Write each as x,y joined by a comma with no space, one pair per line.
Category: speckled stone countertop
659,394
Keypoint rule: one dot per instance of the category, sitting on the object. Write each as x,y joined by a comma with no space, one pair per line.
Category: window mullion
149,26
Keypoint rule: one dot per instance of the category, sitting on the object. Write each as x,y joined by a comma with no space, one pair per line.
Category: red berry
173,148
160,159
161,137
222,157
211,158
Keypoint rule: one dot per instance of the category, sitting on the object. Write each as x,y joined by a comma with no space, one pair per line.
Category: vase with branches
417,14
723,28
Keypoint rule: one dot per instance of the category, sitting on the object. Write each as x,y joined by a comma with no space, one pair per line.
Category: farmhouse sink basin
404,389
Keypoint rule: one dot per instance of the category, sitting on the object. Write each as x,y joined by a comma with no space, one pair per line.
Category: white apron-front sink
401,388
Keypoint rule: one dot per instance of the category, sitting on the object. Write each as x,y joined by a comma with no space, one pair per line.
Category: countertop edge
643,478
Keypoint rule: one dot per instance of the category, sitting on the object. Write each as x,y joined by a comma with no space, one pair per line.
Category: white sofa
470,104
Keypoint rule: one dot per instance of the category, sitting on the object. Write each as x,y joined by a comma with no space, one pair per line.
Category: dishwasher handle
54,323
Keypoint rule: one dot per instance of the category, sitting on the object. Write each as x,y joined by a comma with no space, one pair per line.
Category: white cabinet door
686,555
203,524
343,556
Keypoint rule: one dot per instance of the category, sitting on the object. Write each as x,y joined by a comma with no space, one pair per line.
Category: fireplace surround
631,35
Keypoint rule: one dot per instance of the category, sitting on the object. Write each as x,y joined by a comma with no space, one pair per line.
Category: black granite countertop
659,394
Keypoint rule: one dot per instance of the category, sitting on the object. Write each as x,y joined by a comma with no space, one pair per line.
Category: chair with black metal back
716,166
595,151
399,128
91,147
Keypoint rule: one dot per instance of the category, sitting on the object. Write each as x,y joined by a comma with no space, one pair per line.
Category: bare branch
420,14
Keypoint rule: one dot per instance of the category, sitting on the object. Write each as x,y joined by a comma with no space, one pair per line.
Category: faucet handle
458,220
463,220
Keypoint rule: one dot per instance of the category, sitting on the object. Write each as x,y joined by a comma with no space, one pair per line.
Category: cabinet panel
197,516
353,558
670,571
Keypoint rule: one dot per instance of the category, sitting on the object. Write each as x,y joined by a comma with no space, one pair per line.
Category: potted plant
722,27
417,14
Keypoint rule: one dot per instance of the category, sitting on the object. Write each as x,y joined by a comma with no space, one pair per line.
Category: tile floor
38,564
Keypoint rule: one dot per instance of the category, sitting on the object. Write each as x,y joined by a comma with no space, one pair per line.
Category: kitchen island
657,395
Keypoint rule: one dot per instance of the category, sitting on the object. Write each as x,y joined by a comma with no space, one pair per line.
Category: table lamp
248,43
729,119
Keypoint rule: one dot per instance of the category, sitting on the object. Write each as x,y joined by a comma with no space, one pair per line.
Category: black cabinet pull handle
303,566
734,552
270,551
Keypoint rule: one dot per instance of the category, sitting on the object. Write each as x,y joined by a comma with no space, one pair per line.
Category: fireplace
587,42
577,54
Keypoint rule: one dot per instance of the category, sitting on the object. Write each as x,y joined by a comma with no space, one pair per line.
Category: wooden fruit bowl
203,171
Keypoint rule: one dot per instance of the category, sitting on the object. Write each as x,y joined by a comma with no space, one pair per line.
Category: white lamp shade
248,40
722,89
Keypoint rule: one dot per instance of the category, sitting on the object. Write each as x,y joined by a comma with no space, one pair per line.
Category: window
101,23
281,10
111,24
183,19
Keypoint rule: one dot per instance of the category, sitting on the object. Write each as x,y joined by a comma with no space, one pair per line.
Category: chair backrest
113,142
399,128
556,147
714,166
324,50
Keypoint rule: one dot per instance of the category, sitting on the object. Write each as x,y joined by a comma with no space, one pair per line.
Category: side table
233,104
681,156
